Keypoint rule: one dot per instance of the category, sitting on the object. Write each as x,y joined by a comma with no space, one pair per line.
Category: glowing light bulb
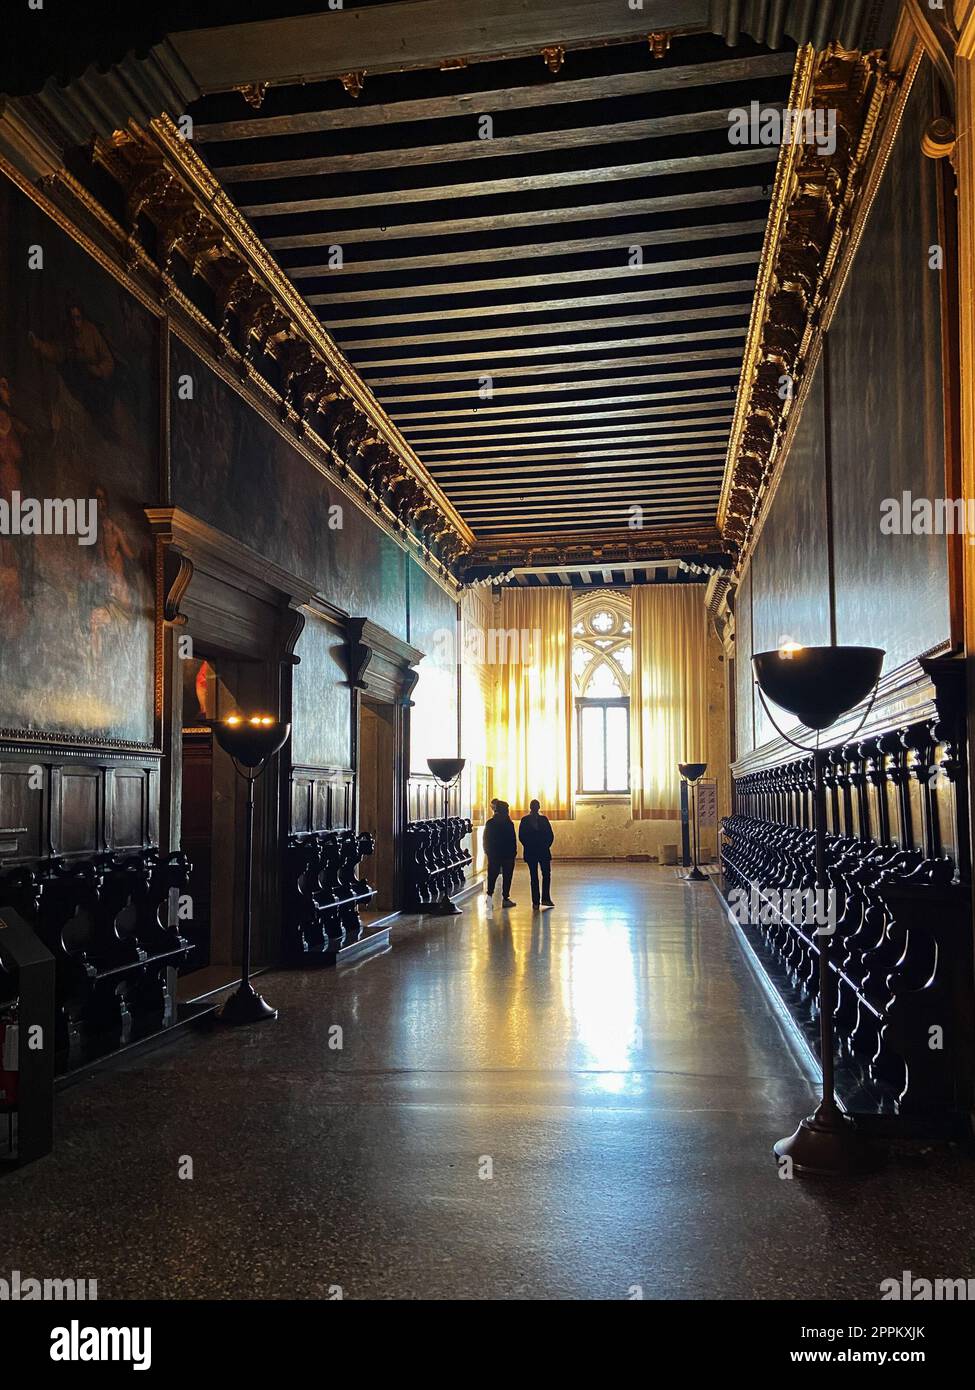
233,719
788,648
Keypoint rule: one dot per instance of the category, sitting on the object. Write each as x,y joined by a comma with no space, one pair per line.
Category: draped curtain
531,746
668,694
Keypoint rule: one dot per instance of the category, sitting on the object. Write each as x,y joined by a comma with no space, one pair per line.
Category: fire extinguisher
9,1057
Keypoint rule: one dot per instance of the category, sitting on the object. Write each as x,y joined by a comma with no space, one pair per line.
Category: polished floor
577,1104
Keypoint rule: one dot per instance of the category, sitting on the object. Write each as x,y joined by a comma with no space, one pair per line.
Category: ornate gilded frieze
588,551
815,201
257,316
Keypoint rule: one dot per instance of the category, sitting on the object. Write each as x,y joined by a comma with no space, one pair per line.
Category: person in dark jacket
501,849
536,836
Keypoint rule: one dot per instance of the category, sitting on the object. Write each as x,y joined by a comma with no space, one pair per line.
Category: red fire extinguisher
9,1059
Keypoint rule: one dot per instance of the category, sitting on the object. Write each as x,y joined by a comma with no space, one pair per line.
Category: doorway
377,798
212,815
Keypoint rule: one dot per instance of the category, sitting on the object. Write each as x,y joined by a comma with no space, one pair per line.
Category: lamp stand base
443,907
695,876
245,1006
827,1144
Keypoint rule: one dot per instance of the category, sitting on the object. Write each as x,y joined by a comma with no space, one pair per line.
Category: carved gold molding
258,312
587,549
815,205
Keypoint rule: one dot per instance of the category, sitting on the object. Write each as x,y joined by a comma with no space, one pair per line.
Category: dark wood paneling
74,808
886,406
23,789
321,799
744,695
790,567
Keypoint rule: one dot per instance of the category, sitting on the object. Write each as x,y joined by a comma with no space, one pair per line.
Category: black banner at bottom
163,1339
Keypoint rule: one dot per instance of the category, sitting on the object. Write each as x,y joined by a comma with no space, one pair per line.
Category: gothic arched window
602,660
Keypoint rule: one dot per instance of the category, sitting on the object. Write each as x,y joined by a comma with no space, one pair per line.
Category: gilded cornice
815,208
259,313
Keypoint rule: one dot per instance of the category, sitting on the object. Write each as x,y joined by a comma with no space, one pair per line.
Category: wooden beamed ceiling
545,279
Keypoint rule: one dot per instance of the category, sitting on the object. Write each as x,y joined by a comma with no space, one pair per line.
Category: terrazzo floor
561,1105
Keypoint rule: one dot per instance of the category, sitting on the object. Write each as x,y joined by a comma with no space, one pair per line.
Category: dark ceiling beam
476,335
497,355
539,514
529,450
584,456
572,385
704,476
506,221
549,306
501,389
713,459
500,147
643,426
530,282
658,401
557,495
668,456
665,236
637,416
544,369
732,158
546,94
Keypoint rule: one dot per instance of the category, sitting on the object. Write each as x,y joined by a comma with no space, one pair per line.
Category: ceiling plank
544,369
549,306
414,34
557,496
490,411
673,315
465,151
501,363
529,282
635,419
541,217
524,183
453,444
711,461
650,436
572,385
545,94
666,236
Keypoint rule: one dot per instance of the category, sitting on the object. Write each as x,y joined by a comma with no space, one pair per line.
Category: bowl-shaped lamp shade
692,772
818,684
251,739
446,770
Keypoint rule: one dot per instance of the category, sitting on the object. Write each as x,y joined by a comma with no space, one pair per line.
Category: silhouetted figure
537,837
501,849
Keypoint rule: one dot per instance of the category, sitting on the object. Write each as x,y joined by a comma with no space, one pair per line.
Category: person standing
501,849
536,836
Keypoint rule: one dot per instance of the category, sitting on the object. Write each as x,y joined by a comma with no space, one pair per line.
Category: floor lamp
692,774
251,743
817,685
447,772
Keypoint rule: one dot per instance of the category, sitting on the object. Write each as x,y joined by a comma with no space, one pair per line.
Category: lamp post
251,742
447,772
817,685
692,774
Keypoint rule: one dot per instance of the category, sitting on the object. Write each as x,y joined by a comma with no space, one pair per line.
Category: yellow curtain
668,694
531,649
